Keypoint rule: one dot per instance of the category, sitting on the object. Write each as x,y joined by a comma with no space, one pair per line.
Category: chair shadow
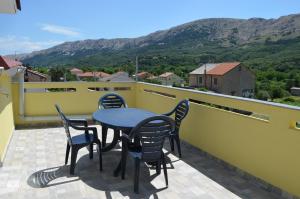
43,178
88,172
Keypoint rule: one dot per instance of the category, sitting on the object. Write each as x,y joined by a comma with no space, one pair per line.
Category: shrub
263,95
289,99
277,92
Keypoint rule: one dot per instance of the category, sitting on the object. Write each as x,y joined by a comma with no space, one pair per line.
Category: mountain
214,39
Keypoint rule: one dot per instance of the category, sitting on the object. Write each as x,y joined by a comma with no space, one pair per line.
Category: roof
36,73
215,68
295,88
222,68
94,74
10,6
75,70
200,70
8,63
118,77
166,74
144,74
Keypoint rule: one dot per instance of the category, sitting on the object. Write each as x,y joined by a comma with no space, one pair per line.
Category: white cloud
12,44
62,30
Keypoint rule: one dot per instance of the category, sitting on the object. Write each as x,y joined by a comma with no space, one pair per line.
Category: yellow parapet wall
6,114
258,137
75,98
267,147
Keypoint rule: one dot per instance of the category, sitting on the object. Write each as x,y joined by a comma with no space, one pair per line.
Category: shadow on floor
88,172
222,173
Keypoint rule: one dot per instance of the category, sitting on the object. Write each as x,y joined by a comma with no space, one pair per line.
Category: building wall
31,77
193,80
198,81
6,114
210,83
237,81
170,80
295,91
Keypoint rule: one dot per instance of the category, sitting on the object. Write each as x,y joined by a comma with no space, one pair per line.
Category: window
200,80
215,81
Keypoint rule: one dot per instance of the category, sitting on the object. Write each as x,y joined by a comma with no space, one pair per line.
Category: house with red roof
8,63
231,78
144,75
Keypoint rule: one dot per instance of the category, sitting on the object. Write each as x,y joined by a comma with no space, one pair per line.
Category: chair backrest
65,123
151,134
181,110
111,100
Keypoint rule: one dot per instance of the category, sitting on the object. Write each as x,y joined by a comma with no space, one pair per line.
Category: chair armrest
169,113
78,121
86,129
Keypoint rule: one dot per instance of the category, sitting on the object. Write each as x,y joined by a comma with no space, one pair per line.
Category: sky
44,23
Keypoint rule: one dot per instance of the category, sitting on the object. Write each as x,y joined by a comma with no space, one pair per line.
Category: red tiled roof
8,63
144,75
222,68
94,74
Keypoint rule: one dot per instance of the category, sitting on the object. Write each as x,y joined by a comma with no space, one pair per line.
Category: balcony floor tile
34,168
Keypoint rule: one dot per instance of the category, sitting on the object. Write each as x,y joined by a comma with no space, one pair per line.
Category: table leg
122,164
104,135
116,138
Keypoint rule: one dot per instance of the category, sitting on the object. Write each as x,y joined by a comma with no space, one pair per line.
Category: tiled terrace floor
34,168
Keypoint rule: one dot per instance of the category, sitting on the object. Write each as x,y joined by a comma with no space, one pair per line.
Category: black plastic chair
180,111
148,136
111,100
79,141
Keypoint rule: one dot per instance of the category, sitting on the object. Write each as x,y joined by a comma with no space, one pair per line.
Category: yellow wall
266,149
6,114
81,102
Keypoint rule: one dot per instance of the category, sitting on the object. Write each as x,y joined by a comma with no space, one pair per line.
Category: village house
29,75
144,75
8,63
34,76
227,78
169,78
117,77
97,76
295,91
76,71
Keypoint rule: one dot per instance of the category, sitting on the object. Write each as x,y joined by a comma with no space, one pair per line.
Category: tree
56,74
277,92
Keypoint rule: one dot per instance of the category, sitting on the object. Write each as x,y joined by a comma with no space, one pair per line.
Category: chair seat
82,139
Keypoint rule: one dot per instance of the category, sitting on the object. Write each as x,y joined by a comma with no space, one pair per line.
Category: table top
121,118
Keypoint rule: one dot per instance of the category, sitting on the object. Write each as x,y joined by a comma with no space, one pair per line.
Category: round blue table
119,119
